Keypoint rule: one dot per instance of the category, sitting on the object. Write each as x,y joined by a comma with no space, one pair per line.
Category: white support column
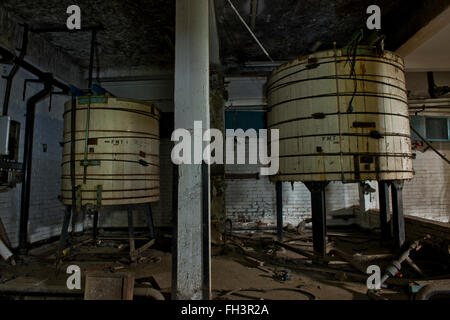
192,279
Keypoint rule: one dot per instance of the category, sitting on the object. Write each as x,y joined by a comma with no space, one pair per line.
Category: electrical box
9,139
10,168
5,123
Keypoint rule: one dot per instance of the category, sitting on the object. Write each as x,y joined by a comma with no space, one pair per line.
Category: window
437,128
431,128
245,120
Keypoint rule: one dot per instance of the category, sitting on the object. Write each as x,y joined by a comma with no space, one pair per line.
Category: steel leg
385,219
95,227
65,229
397,214
279,192
319,218
151,226
131,233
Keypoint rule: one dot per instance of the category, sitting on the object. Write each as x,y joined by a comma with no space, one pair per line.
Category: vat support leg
64,231
397,214
385,219
95,227
131,234
150,220
319,216
279,192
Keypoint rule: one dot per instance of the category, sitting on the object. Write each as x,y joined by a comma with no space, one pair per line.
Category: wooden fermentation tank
121,147
338,122
342,115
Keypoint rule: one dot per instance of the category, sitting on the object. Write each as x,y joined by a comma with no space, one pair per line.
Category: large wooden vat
122,150
339,122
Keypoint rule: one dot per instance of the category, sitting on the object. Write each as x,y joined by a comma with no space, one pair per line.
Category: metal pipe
15,68
32,69
429,144
27,161
65,30
72,158
91,59
279,197
250,30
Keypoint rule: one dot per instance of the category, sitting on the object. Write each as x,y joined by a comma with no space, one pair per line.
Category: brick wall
253,201
46,211
427,195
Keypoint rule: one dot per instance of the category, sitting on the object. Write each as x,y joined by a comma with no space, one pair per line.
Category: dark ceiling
137,32
290,28
141,32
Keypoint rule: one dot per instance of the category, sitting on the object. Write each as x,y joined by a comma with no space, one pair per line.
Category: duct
27,160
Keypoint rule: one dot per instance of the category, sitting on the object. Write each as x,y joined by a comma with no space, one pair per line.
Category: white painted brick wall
427,195
252,201
46,211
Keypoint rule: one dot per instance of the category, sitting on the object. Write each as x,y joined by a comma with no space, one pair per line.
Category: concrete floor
250,266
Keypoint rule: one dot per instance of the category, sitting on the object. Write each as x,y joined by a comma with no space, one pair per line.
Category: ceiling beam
426,33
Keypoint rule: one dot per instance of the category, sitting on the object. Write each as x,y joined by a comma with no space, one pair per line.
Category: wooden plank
106,286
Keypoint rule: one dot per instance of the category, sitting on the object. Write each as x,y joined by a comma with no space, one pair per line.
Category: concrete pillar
192,279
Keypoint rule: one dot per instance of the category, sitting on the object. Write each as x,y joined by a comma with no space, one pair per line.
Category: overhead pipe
6,55
15,68
428,143
27,161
